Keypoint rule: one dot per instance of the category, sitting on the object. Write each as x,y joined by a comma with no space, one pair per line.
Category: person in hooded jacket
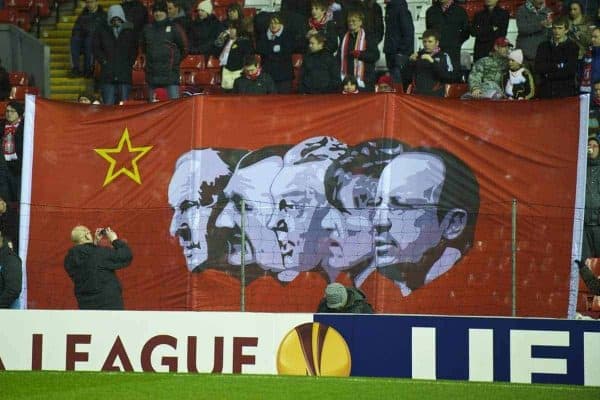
204,30
115,48
11,275
165,45
320,72
344,300
92,268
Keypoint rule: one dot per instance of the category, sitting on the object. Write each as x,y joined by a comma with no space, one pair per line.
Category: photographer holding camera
92,268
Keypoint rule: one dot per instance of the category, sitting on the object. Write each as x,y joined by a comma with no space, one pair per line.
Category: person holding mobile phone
92,268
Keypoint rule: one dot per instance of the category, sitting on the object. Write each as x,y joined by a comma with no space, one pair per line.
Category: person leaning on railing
591,281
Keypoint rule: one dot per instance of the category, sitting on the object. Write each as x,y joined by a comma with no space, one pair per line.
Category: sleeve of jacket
476,76
530,85
334,73
262,46
464,24
444,69
119,256
270,84
181,40
13,279
430,16
98,47
407,28
331,37
591,281
78,27
503,19
236,85
378,28
527,23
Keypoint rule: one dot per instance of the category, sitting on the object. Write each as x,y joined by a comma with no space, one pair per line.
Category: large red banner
410,199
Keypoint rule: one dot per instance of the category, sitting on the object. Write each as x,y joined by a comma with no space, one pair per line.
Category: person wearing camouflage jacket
346,300
486,77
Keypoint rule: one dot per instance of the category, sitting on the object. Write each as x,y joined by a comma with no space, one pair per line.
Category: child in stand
350,85
518,84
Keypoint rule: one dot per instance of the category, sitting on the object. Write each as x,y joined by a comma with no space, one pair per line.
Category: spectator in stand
11,274
452,23
4,83
430,67
590,64
254,80
372,17
485,79
204,30
518,83
276,48
321,22
580,30
385,84
399,42
233,45
594,116
235,12
320,72
591,219
82,36
177,15
556,62
84,98
165,45
591,281
115,48
358,53
137,14
488,25
344,300
350,85
12,144
534,21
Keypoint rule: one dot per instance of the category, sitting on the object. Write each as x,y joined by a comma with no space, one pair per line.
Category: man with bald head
92,268
425,221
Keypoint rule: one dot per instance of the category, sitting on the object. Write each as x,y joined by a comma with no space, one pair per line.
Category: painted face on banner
350,237
298,193
193,194
252,184
406,222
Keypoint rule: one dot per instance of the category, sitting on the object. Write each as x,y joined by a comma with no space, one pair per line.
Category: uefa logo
314,349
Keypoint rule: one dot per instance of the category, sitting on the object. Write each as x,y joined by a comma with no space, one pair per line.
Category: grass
96,385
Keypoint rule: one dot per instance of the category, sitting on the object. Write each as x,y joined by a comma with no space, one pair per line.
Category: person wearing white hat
204,30
518,83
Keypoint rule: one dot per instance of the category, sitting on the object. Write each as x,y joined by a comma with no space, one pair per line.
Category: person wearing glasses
425,220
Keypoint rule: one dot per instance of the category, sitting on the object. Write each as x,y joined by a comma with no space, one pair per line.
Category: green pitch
91,385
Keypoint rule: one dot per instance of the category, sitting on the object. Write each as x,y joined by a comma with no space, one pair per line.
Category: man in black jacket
92,268
556,62
488,25
399,42
452,23
430,68
115,48
11,276
165,45
86,25
254,80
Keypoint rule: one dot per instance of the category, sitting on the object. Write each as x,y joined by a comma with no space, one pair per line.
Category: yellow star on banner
111,175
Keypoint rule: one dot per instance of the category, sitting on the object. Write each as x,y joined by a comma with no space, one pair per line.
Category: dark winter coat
329,30
202,35
482,28
356,304
264,84
320,73
369,57
88,23
92,269
11,276
429,78
592,192
399,29
557,67
116,55
184,22
241,48
453,27
165,46
278,64
4,84
137,14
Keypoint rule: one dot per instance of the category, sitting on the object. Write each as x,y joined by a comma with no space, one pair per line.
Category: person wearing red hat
485,79
488,24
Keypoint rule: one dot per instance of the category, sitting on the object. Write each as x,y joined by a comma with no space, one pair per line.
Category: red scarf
359,66
8,140
318,24
253,76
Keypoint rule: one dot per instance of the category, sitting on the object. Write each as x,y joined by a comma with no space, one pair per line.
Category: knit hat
17,106
159,6
205,6
516,55
502,42
336,295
